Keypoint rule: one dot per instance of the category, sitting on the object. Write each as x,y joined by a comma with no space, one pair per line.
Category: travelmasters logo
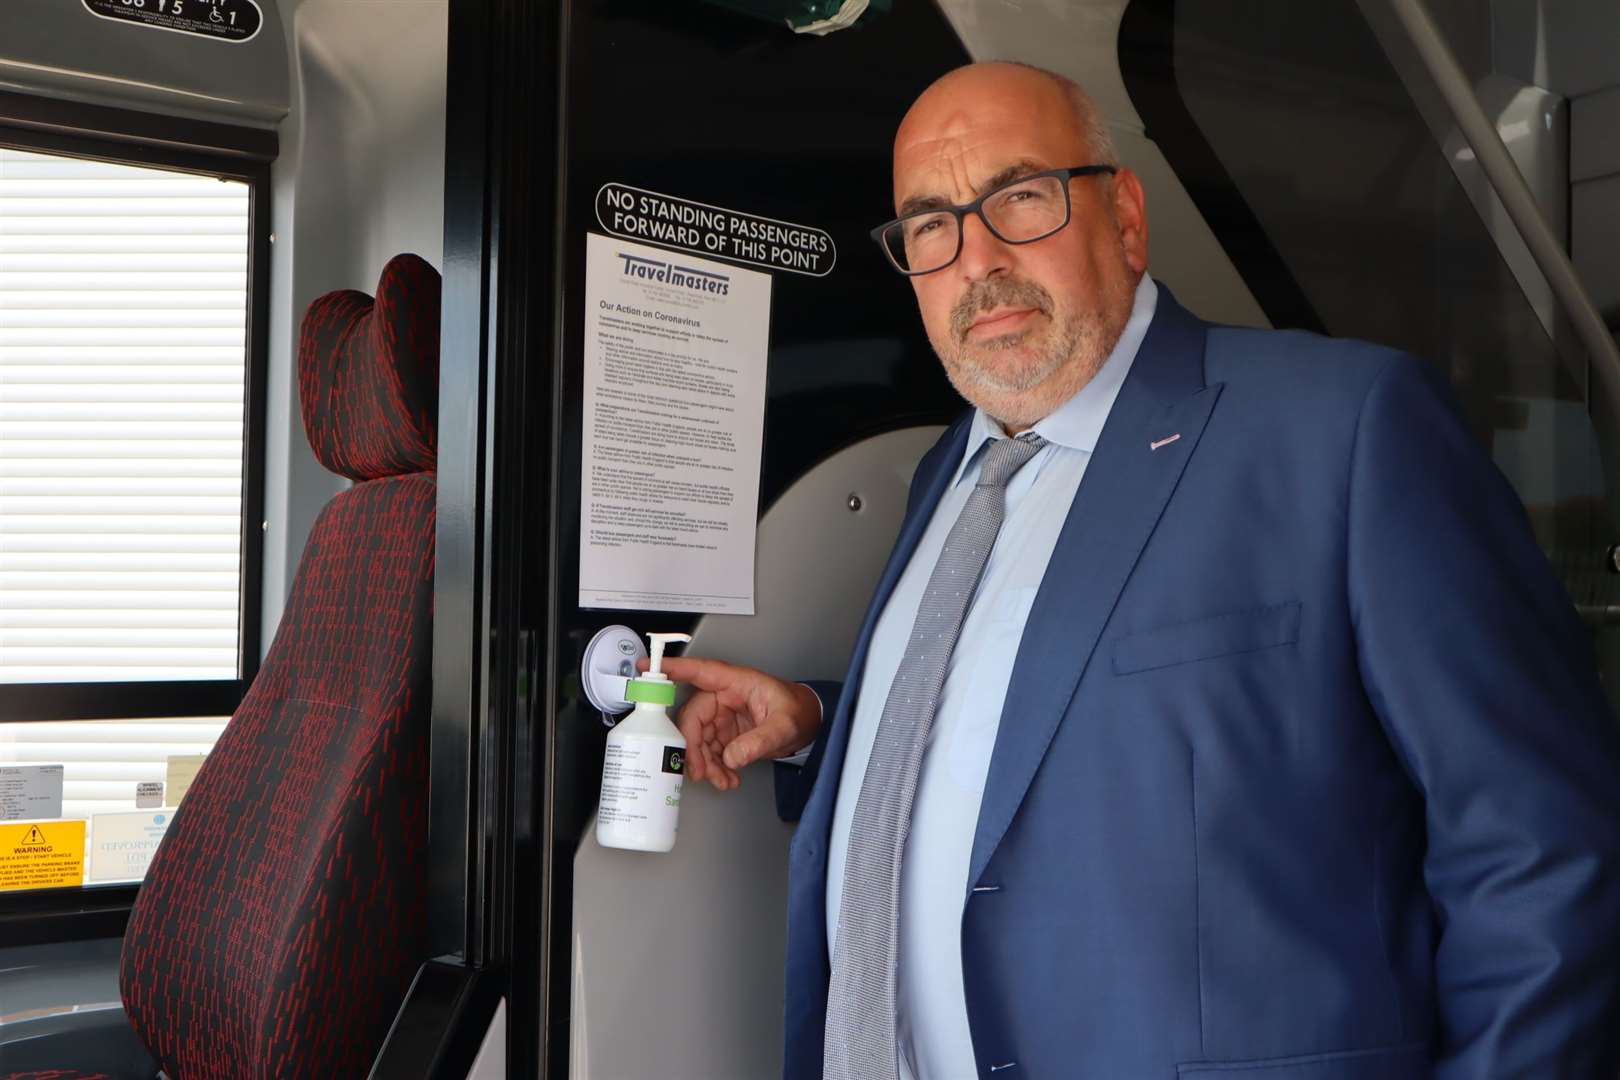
664,273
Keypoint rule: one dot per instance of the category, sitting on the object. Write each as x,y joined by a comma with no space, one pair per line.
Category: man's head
1021,327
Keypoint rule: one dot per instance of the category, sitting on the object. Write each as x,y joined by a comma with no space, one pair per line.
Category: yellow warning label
42,855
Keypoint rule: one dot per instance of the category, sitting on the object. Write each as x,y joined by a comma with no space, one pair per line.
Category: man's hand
738,716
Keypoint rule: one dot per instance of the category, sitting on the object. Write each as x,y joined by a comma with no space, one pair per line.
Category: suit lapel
1127,484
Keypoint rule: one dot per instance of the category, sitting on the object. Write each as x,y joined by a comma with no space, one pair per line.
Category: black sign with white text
637,214
233,21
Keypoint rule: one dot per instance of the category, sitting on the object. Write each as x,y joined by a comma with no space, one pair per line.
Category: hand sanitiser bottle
645,764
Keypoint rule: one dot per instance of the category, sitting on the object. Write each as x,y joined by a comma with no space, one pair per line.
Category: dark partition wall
695,102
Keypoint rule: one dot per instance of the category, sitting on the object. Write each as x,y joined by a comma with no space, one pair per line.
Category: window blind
103,760
123,308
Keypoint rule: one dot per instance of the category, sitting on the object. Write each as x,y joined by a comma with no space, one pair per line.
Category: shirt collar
1078,422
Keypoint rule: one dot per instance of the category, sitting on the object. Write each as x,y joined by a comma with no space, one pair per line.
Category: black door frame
503,169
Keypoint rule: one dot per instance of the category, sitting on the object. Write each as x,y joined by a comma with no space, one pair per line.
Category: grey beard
1057,353
1076,353
994,293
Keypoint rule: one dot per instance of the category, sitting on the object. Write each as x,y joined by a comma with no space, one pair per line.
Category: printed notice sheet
675,350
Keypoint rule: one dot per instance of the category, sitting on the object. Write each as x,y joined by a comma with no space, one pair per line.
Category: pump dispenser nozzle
658,642
653,685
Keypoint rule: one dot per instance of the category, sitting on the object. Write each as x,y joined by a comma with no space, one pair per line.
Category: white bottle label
641,792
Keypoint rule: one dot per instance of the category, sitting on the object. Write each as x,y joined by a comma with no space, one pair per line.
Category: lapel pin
1164,442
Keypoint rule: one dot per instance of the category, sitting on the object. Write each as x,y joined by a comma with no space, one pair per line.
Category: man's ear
1130,213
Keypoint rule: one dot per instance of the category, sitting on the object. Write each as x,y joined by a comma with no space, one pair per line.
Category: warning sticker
41,855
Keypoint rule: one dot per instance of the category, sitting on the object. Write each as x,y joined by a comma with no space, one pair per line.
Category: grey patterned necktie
861,1016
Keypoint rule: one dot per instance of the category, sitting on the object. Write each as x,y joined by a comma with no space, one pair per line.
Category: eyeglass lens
1017,213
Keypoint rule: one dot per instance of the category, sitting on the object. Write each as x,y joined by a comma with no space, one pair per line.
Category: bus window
126,587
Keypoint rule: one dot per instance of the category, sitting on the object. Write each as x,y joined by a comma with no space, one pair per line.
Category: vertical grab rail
1491,154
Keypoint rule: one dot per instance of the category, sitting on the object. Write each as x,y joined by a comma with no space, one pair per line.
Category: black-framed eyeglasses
1021,211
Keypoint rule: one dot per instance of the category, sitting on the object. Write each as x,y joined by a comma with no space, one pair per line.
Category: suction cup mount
610,660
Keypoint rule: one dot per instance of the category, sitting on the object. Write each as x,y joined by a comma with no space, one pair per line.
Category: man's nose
983,253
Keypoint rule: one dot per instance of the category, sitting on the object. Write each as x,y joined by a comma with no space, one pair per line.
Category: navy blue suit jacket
1304,771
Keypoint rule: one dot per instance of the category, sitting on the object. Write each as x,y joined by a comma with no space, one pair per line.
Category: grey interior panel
1577,45
1593,149
60,1003
57,48
1595,195
360,179
38,979
668,946
1597,242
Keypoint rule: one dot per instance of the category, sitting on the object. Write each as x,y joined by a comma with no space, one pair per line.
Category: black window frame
229,152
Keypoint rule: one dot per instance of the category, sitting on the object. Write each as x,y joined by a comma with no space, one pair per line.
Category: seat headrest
368,374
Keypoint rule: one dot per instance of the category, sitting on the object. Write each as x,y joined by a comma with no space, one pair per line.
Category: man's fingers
719,718
715,768
696,722
751,746
703,674
711,767
706,743
724,778
740,752
695,763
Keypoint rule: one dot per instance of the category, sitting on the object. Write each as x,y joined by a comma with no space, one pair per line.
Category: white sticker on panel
30,792
122,845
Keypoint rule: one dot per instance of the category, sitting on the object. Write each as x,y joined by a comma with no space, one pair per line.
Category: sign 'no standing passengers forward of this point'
647,216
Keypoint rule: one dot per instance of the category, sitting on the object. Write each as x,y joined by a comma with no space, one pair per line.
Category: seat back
283,916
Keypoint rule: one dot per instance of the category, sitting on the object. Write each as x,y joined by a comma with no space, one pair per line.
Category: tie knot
1004,457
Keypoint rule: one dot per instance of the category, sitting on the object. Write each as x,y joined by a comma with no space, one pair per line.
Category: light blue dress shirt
935,1043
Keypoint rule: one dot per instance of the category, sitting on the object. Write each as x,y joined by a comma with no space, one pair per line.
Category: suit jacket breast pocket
1201,639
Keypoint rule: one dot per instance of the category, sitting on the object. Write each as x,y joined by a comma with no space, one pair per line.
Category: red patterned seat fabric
283,917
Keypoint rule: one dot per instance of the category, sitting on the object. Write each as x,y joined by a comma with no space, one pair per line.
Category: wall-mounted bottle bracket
609,662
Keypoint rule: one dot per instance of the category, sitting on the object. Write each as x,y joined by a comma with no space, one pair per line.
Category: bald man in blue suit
1270,748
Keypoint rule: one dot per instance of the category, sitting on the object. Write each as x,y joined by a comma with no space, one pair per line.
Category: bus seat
283,917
